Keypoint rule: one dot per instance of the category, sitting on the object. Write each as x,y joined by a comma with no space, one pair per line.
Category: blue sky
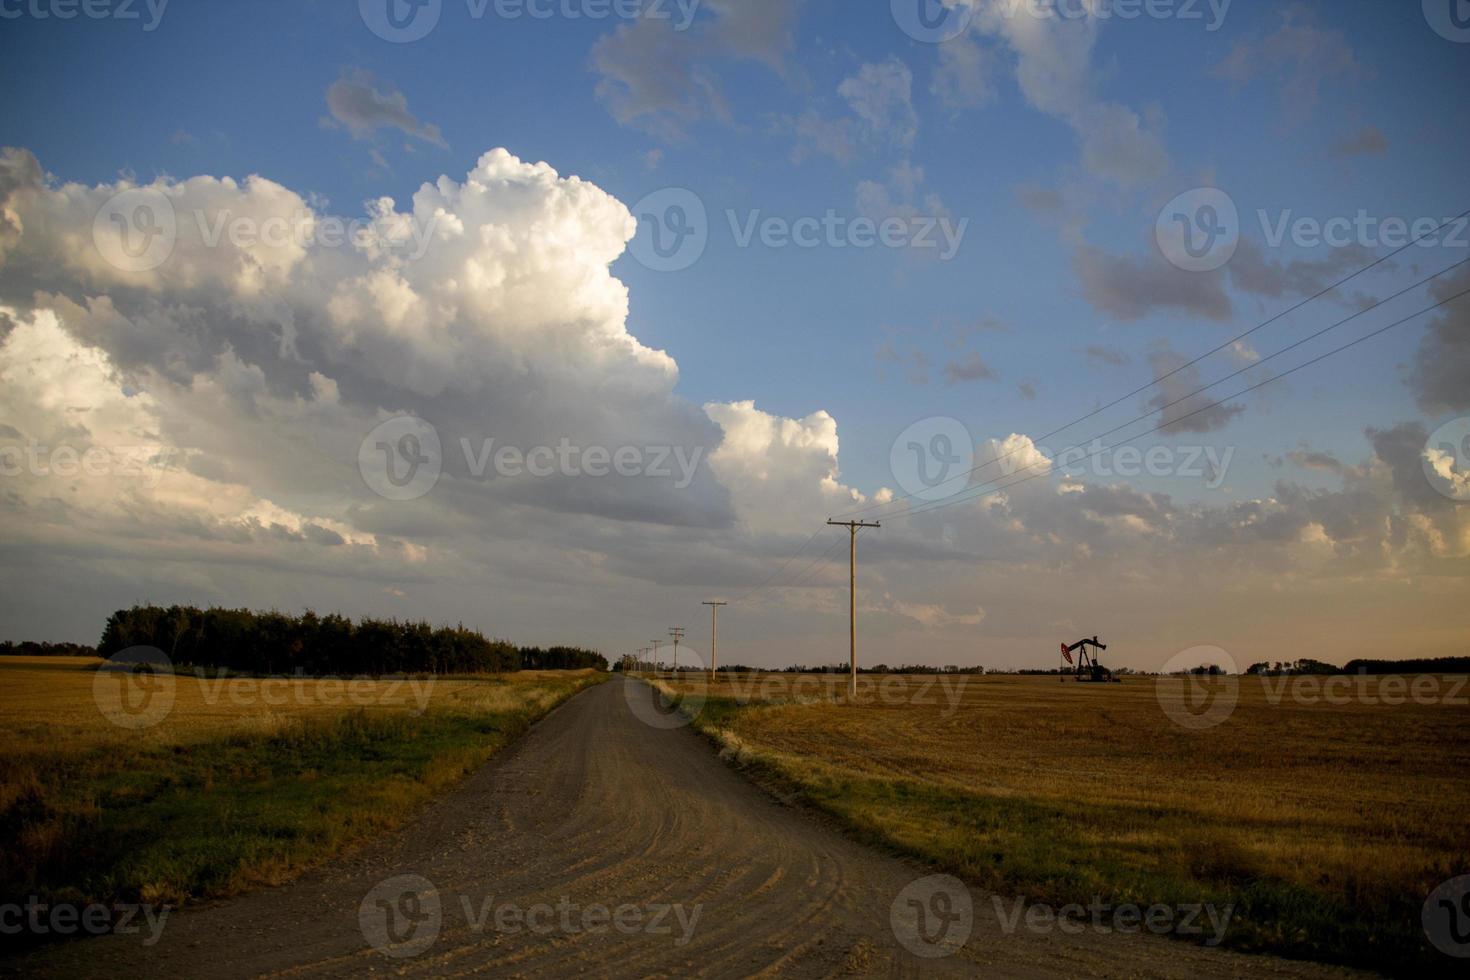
1318,109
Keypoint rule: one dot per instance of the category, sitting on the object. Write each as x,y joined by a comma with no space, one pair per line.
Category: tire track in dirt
593,807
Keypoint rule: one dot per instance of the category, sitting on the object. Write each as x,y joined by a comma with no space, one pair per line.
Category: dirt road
600,845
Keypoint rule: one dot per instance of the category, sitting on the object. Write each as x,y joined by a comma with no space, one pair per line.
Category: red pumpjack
1085,668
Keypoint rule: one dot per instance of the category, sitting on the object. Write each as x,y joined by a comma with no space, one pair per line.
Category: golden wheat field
95,764
49,704
1329,812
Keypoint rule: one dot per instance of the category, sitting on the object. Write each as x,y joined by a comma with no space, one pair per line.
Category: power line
1174,421
1214,350
804,545
1136,391
970,495
806,572
816,565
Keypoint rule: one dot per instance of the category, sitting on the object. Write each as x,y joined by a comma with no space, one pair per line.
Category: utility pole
655,655
677,632
714,635
852,528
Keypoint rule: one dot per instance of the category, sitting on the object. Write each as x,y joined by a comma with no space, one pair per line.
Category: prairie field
1325,817
241,781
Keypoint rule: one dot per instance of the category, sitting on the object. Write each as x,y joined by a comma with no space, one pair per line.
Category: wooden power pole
655,655
714,635
852,528
677,632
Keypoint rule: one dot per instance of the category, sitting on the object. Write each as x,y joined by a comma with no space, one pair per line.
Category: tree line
629,663
1422,665
1419,665
29,648
274,643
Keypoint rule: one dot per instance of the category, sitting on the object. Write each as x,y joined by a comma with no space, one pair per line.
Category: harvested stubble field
1325,824
245,781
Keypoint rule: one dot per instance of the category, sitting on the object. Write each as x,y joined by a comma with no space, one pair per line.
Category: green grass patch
170,823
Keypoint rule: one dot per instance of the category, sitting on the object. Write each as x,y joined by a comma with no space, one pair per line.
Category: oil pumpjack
1085,667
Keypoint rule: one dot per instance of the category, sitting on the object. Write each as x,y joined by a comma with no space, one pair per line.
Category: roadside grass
1325,826
234,788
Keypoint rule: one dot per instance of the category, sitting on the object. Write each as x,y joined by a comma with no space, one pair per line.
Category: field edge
388,770
764,770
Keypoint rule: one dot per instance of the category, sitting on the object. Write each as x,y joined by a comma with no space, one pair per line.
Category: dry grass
48,706
292,770
1329,823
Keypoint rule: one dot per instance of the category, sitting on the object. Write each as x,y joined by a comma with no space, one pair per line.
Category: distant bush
244,641
28,648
